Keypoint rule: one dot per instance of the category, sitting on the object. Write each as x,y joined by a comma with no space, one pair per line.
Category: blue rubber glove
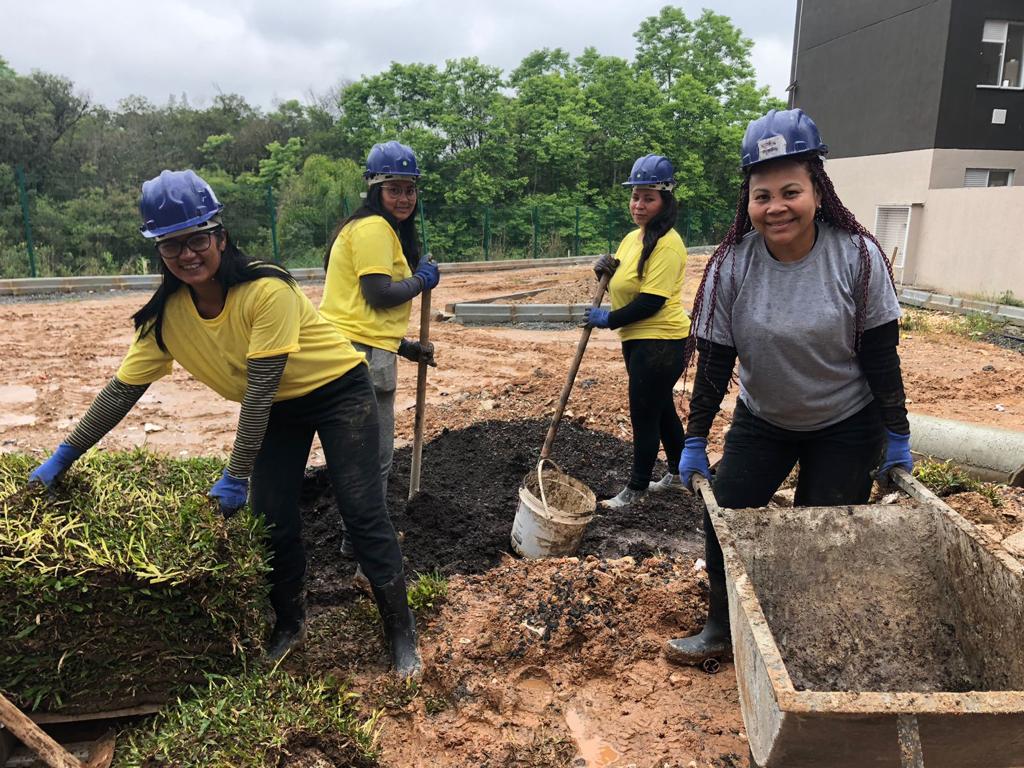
897,454
231,493
596,317
48,472
428,272
694,460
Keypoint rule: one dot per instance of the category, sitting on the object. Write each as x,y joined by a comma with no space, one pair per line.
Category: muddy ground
527,663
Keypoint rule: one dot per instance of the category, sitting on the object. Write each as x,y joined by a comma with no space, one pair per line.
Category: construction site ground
542,663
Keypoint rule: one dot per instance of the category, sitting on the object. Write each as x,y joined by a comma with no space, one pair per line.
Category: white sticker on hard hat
773,146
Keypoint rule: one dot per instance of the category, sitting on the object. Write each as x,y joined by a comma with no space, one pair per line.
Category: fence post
23,195
687,238
536,230
423,227
487,233
344,208
273,222
576,238
608,227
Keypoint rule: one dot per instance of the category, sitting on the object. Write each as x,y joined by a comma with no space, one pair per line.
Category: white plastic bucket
552,525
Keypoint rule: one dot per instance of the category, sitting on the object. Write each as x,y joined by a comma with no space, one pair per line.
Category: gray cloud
268,51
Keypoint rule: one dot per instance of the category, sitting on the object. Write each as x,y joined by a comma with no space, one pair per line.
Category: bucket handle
540,481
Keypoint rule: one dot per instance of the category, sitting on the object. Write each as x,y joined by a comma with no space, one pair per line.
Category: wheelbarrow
874,635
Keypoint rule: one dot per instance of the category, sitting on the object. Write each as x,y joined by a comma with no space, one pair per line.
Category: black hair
832,211
372,206
657,227
235,268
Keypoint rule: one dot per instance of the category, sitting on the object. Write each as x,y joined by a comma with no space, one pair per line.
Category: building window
988,177
1002,50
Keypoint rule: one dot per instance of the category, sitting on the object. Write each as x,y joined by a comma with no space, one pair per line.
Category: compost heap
123,585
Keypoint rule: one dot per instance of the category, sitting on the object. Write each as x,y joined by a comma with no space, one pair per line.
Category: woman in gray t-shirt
801,294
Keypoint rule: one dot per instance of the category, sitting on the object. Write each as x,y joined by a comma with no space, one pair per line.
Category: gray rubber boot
668,482
624,498
714,640
399,627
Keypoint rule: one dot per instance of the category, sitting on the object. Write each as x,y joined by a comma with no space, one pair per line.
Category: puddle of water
535,693
16,394
597,752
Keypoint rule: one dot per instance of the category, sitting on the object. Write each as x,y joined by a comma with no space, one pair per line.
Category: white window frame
988,174
1002,55
901,255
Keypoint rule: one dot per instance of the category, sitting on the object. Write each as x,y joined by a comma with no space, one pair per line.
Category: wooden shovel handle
34,737
421,398
581,347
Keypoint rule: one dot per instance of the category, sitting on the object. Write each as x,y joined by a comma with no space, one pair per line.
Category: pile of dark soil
461,520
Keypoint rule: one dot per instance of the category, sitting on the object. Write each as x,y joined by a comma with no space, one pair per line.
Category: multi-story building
922,105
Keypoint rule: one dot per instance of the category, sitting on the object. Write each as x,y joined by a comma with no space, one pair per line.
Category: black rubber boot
714,640
289,629
399,627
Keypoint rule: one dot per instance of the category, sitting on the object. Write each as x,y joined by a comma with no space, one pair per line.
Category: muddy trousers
344,414
835,469
654,366
384,377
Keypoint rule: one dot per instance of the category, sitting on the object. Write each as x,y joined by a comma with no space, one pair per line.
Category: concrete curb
915,297
38,286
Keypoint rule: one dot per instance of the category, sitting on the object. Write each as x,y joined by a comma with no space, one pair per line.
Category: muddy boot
668,482
626,497
290,625
399,627
714,640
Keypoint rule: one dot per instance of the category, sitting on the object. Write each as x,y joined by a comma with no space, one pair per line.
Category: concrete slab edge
923,299
37,286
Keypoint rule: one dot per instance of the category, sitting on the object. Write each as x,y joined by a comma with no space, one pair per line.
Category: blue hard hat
778,134
388,160
176,200
653,171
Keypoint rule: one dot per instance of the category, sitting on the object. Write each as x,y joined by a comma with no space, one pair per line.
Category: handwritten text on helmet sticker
773,146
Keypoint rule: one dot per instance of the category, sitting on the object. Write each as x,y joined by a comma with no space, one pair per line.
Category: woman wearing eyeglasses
374,271
244,329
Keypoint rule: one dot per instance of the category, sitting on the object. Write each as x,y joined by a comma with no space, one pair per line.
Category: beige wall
970,242
949,165
863,183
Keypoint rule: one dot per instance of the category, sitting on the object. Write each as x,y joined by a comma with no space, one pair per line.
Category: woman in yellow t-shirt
374,271
646,293
244,329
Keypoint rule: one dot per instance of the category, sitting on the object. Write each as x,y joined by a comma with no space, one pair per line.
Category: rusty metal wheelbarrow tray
848,623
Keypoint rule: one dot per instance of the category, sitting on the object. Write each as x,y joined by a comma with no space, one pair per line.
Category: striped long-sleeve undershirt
110,406
263,377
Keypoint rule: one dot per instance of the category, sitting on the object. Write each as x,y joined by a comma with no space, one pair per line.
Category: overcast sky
271,50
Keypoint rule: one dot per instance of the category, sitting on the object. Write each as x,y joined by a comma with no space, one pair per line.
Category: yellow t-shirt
663,276
365,247
261,318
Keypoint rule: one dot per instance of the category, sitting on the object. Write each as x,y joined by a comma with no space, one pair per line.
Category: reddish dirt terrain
551,663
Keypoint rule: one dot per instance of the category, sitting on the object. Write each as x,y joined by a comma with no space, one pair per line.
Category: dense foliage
518,164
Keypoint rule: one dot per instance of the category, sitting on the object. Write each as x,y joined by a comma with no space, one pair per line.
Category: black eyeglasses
172,249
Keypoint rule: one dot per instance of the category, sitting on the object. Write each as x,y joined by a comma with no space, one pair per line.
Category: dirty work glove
48,472
694,460
596,317
428,272
417,351
230,492
897,454
606,265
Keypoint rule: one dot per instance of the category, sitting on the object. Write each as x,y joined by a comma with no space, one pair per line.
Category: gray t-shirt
792,325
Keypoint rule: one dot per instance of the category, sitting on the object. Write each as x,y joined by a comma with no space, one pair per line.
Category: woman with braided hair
243,328
801,294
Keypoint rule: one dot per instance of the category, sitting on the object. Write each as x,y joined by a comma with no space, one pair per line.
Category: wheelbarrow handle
702,487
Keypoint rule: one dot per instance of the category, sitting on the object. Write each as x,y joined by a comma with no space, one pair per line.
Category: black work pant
835,467
344,414
654,366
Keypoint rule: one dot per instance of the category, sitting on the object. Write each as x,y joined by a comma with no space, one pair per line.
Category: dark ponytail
658,227
235,268
372,206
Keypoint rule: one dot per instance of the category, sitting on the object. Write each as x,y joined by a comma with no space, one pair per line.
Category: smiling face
782,204
193,258
644,204
399,198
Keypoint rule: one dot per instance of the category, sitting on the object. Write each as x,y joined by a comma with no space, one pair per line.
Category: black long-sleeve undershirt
710,383
381,292
643,306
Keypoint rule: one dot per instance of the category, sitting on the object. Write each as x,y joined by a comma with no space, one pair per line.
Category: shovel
49,751
421,377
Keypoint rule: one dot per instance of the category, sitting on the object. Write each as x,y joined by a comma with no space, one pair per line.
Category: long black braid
832,211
